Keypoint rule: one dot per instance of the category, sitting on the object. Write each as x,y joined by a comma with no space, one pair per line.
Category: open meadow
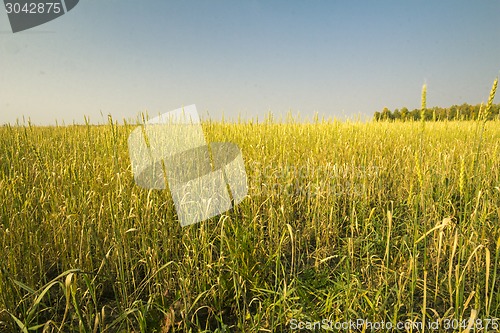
381,221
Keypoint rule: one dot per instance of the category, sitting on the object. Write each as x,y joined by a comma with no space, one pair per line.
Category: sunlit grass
343,220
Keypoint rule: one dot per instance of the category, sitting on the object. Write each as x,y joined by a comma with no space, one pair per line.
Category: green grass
343,220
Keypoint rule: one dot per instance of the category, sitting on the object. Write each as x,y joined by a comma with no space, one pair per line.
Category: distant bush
454,112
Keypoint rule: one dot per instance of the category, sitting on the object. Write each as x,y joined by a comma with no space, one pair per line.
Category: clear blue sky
336,58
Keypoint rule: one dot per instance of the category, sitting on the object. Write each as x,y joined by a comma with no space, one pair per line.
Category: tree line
454,112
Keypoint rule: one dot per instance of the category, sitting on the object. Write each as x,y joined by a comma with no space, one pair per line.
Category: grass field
346,220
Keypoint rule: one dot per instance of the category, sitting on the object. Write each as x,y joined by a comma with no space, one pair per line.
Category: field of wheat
382,221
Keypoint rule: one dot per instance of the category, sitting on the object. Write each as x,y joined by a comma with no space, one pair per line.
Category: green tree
396,114
404,113
386,114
